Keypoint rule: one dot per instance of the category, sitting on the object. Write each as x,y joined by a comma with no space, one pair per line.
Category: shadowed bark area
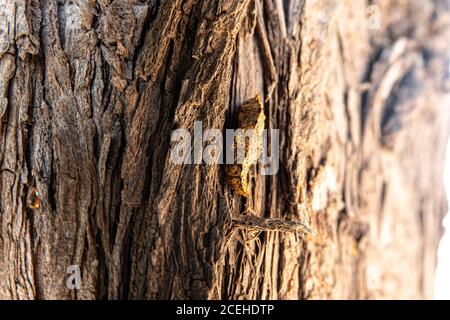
91,91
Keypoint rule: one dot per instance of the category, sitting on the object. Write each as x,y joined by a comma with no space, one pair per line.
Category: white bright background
442,280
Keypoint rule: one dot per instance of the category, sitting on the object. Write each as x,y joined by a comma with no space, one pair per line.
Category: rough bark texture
90,92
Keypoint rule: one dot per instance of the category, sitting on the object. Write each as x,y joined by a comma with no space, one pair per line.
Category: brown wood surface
90,92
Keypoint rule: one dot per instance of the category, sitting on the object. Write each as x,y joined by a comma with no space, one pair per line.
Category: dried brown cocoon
251,125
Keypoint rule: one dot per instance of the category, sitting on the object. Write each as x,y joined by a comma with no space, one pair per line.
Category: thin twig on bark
251,222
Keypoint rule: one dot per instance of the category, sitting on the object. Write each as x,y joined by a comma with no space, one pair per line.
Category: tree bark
91,91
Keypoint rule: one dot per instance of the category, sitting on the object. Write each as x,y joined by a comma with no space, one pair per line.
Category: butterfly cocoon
238,184
251,122
233,170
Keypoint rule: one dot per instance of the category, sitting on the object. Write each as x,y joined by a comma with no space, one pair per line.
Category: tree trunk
91,91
